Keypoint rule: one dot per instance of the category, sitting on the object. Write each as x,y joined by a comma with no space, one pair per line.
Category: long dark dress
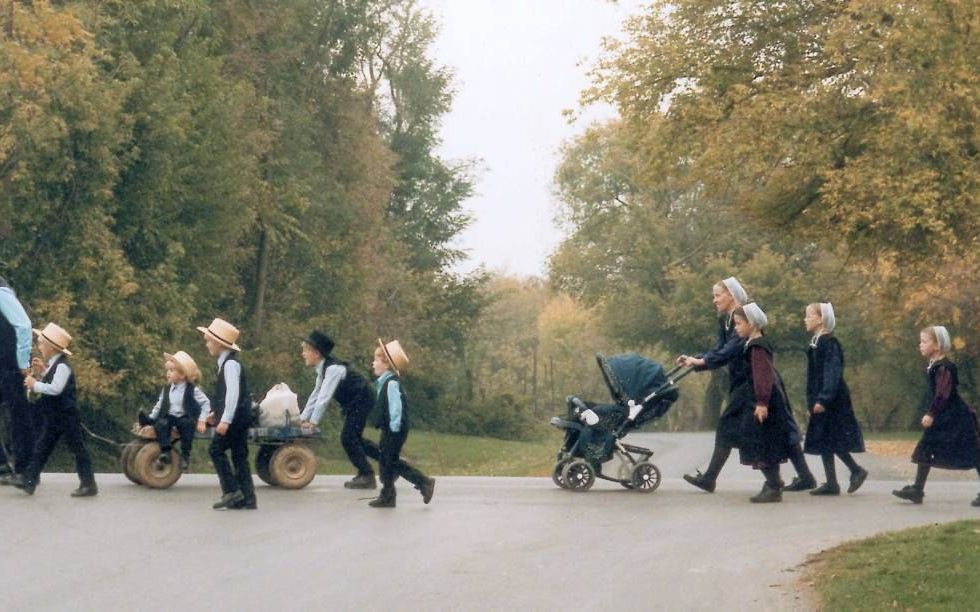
768,443
835,430
728,351
953,441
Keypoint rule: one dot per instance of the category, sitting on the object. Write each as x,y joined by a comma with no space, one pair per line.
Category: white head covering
942,338
735,288
827,316
755,316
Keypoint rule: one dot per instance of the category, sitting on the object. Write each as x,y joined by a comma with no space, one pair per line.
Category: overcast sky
518,64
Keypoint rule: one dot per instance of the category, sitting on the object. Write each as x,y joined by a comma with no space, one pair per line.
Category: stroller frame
636,471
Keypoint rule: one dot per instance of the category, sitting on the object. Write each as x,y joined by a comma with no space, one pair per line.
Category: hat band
219,337
52,342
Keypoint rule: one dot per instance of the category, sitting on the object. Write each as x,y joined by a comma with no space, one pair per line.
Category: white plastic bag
279,407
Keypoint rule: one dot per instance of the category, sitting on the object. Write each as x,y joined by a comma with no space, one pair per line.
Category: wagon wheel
646,477
154,474
556,476
262,463
126,456
292,466
578,475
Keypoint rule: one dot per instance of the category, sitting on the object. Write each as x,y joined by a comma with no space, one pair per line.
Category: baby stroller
642,391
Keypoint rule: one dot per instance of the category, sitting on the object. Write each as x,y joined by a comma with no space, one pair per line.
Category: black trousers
185,427
352,439
22,430
67,423
239,478
390,465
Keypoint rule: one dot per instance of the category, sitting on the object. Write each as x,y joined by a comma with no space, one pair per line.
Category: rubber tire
646,477
292,466
262,459
126,456
578,475
151,473
556,473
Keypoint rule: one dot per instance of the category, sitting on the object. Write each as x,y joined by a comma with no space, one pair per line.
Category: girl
951,439
768,431
833,428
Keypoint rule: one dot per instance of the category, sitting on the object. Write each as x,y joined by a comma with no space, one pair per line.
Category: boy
182,405
232,412
57,390
391,417
336,379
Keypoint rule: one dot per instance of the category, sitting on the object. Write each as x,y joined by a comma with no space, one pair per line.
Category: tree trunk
261,283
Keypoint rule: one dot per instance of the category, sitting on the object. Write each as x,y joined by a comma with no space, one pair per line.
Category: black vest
382,418
354,391
8,346
191,407
64,401
243,411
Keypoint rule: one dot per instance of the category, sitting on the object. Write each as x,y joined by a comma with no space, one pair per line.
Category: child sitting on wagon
181,405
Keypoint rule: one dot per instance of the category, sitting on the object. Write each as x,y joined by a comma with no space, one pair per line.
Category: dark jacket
64,401
191,407
243,411
381,414
726,352
354,391
835,430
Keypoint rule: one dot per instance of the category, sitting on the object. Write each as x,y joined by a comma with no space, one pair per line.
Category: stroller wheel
646,477
578,475
556,474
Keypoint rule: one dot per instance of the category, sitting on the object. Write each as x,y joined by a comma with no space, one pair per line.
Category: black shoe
826,489
89,490
801,484
23,484
976,503
701,482
164,458
382,502
767,495
857,479
7,479
362,481
5,469
911,493
245,504
184,464
427,489
228,500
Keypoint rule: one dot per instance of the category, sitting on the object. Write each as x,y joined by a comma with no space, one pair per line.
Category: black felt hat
321,342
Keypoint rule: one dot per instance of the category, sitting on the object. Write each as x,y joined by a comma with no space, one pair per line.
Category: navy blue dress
953,441
765,444
835,430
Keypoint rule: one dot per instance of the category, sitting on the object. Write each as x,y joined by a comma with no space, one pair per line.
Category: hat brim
207,332
391,361
193,375
61,349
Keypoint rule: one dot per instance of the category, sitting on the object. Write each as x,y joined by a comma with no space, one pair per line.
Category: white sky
517,65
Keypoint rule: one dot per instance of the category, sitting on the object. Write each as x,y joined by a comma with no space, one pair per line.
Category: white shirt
233,373
177,401
58,382
323,390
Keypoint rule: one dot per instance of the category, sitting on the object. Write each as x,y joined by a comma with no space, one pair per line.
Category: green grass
927,568
887,436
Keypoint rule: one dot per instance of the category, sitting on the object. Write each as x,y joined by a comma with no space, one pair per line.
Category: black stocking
799,462
920,477
772,477
718,459
849,462
829,468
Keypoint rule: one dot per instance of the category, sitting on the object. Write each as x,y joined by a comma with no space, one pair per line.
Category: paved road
484,543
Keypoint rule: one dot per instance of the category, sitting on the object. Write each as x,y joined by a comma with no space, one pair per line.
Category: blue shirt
394,399
15,315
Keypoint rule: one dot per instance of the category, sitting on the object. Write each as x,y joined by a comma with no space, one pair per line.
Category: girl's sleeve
762,379
944,388
833,372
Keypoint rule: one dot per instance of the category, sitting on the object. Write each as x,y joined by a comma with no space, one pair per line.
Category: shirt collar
223,356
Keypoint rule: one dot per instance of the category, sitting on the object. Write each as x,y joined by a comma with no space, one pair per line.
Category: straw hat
222,332
186,364
395,354
56,337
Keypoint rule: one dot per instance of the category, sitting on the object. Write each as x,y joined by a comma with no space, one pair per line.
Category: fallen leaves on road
891,448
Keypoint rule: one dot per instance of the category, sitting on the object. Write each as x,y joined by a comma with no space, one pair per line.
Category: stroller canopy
631,376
